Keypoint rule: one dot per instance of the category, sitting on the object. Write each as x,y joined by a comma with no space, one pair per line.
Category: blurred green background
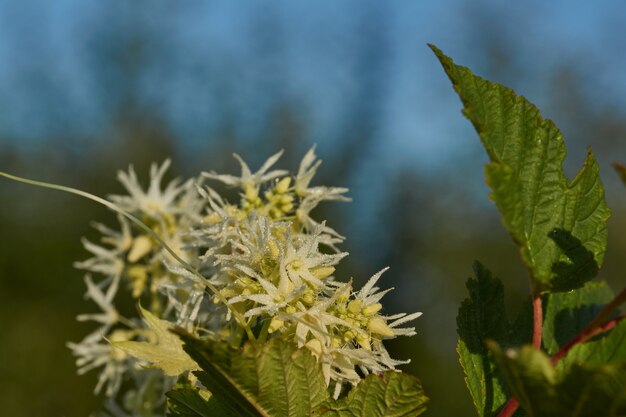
87,87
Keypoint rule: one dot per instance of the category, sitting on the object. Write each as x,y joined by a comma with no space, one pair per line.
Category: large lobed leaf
560,225
482,316
277,380
574,391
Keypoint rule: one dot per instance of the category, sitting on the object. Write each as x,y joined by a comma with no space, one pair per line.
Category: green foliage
275,379
566,314
386,395
187,401
560,225
483,316
608,348
578,390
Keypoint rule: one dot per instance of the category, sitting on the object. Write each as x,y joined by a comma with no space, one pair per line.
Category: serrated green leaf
566,314
167,353
575,391
391,394
187,401
483,316
273,379
277,380
560,225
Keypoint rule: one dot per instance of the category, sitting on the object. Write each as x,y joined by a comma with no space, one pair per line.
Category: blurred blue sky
208,78
205,62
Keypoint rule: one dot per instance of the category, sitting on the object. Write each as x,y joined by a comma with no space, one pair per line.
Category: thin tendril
141,225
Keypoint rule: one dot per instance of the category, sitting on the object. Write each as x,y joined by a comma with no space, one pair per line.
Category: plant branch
600,324
537,321
509,408
591,330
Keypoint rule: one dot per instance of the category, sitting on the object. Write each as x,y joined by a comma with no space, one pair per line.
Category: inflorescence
265,268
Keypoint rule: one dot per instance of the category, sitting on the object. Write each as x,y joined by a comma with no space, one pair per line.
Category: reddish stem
597,326
509,408
537,321
586,334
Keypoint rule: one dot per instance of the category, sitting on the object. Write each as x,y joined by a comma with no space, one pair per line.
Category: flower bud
323,271
250,192
364,341
372,309
283,185
378,326
275,325
211,219
138,276
273,248
140,248
315,346
354,306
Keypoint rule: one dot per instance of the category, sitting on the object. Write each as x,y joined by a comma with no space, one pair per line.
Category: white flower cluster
267,270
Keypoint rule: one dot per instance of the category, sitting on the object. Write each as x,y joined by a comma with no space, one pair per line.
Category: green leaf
579,391
275,379
272,379
167,353
560,225
566,314
483,316
387,395
607,348
187,401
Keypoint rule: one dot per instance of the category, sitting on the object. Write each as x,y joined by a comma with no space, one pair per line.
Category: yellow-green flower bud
142,245
343,297
283,185
379,326
354,306
372,309
273,249
275,325
286,199
335,342
211,219
315,346
323,271
287,207
364,340
308,297
138,276
250,192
